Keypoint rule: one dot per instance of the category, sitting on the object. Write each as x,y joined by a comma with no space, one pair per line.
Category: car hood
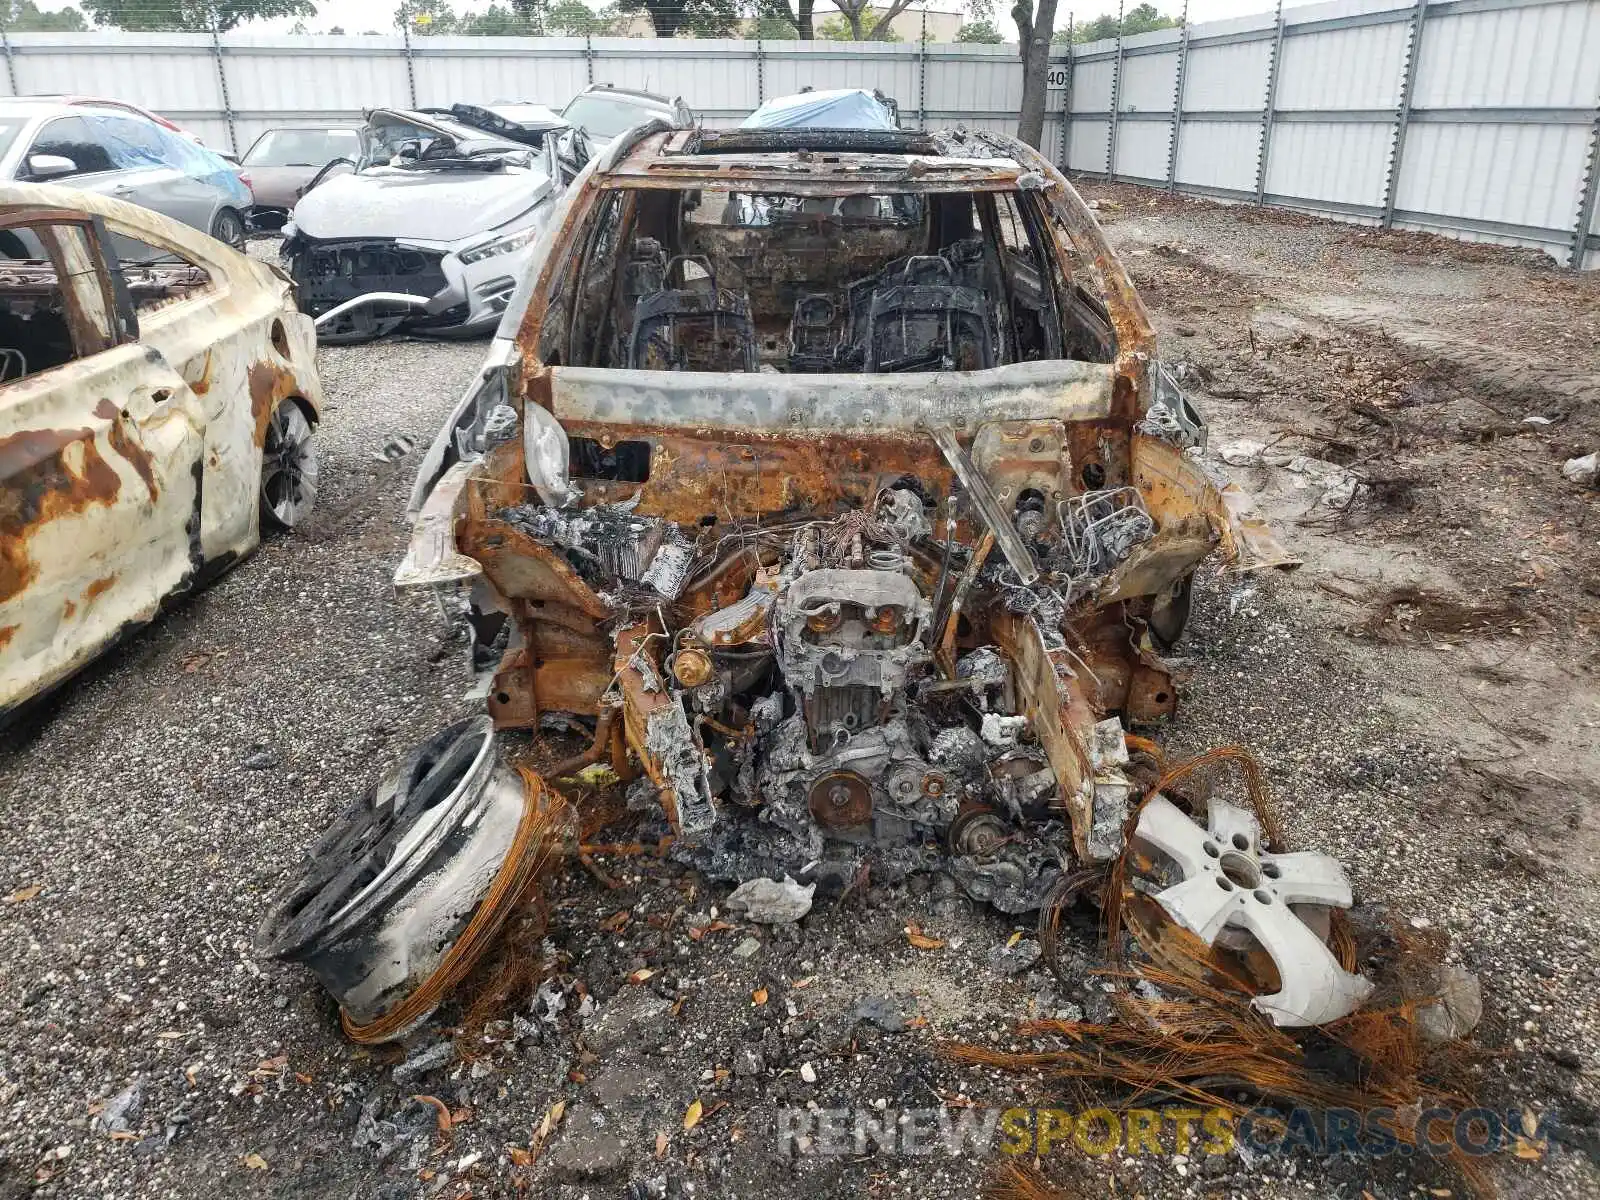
428,206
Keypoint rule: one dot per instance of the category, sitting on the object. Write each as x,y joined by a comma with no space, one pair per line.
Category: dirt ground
1421,692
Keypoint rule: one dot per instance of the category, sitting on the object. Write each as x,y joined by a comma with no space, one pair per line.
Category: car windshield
387,134
605,116
303,147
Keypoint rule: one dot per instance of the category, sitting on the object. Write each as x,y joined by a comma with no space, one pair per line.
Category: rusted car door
100,458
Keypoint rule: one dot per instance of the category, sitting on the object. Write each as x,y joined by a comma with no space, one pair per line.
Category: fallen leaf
255,1162
641,975
692,1117
677,1005
1014,939
662,1142
125,1135
922,941
541,1135
714,927
521,1156
302,1078
577,1077
616,922
440,1107
801,985
23,895
758,997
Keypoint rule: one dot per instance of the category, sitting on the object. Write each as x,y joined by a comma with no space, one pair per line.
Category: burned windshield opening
722,279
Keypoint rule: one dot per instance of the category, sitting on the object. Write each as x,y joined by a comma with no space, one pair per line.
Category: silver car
114,151
603,111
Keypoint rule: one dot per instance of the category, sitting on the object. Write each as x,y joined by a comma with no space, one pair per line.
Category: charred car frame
835,477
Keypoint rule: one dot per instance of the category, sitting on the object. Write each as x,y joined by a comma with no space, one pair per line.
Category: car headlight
505,245
547,454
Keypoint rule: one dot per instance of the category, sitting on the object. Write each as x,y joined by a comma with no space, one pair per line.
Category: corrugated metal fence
1473,118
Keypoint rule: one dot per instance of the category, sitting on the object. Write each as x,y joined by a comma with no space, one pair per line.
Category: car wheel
228,226
288,468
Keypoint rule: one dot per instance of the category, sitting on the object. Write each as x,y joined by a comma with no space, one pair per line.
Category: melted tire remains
396,881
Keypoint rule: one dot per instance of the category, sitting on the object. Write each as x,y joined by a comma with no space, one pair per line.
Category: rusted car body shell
746,447
130,475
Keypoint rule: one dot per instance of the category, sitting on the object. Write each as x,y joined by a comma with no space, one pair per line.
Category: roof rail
857,141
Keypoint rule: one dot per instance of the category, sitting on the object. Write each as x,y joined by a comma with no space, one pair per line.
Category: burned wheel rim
288,468
389,889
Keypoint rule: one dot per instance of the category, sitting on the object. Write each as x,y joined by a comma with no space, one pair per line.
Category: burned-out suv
832,475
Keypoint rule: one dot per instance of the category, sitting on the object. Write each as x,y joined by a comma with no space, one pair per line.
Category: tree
698,18
836,29
573,18
980,31
773,17
867,24
1033,33
193,16
1141,19
23,16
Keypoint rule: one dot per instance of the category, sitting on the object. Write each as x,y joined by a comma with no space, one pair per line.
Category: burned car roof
818,162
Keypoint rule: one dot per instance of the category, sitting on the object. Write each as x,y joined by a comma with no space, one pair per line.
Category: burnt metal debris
853,507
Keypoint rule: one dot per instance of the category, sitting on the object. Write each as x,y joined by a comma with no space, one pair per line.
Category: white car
433,230
154,414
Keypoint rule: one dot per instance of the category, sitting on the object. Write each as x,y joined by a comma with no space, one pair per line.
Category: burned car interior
43,325
723,280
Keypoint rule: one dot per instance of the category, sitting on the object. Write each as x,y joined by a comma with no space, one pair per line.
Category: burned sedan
157,397
831,481
432,232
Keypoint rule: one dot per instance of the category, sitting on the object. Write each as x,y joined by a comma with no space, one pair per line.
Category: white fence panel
1088,145
1545,56
1525,175
1147,83
1091,86
1493,139
1344,68
1227,78
1142,150
1218,155
1342,162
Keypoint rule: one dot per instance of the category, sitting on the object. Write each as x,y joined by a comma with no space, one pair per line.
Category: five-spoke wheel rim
288,467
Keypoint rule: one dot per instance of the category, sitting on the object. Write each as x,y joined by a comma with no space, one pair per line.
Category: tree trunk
854,17
804,28
666,15
1033,34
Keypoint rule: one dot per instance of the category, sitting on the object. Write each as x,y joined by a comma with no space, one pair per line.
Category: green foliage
573,18
1141,19
697,18
980,31
23,16
772,29
193,16
837,29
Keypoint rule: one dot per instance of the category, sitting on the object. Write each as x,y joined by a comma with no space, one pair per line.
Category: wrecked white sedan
433,230
152,418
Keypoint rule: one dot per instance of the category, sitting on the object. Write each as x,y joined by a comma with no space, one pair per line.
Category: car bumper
452,298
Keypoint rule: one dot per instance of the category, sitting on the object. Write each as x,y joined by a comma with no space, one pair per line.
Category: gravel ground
1425,761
